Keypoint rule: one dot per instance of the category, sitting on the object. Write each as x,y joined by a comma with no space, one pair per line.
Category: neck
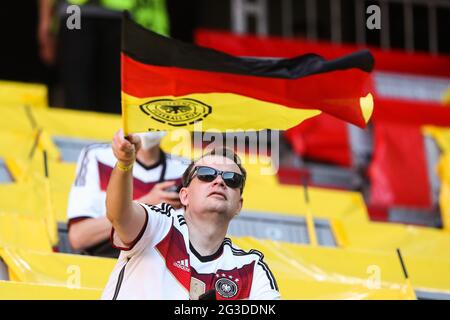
206,231
149,157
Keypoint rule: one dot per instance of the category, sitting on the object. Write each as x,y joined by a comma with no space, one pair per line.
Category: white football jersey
162,264
95,164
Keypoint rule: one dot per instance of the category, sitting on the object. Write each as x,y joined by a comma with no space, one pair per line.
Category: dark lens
206,174
232,179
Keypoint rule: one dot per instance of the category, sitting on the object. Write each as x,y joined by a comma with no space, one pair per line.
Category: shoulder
255,256
238,252
94,149
87,160
162,209
97,146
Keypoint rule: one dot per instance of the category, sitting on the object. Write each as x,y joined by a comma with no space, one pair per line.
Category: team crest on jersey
227,286
176,112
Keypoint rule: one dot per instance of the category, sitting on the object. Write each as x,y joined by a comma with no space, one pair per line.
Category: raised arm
126,216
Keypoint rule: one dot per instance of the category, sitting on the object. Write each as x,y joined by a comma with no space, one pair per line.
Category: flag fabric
168,84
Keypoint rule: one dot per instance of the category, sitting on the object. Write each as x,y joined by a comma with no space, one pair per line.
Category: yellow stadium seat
21,93
305,272
78,124
442,138
264,193
20,231
15,119
25,198
444,196
30,200
413,240
446,97
12,290
61,178
29,189
57,268
15,145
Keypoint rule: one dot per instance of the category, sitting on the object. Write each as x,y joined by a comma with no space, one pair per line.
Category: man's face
214,196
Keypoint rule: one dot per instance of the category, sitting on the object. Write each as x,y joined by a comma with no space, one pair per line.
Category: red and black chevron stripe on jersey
172,249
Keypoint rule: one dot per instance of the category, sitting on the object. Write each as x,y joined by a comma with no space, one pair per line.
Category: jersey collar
211,257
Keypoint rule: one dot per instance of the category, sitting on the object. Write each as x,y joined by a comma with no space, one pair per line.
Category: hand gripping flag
168,84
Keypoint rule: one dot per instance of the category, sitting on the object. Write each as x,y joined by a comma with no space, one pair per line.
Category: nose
218,180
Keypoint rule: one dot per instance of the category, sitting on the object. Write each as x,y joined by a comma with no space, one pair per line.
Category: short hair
224,152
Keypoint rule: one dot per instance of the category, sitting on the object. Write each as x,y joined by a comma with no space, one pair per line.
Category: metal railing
241,10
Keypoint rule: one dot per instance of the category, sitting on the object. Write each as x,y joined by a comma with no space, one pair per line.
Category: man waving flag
168,84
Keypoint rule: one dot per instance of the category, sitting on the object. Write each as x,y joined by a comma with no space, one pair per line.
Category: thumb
135,140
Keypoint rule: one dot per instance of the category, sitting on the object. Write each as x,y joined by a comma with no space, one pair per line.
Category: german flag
168,84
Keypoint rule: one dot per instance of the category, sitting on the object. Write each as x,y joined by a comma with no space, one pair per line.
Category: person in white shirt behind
170,255
156,178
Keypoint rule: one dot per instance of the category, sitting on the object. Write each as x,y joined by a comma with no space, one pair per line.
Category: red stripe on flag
336,93
322,138
398,172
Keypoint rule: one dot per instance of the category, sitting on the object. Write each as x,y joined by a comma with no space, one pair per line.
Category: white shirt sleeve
157,224
86,199
264,286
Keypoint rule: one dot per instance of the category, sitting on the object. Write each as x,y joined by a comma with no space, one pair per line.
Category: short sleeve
86,199
264,285
157,224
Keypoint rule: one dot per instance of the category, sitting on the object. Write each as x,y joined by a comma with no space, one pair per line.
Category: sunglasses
207,174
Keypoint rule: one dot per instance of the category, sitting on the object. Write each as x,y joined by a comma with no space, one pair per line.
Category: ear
184,196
